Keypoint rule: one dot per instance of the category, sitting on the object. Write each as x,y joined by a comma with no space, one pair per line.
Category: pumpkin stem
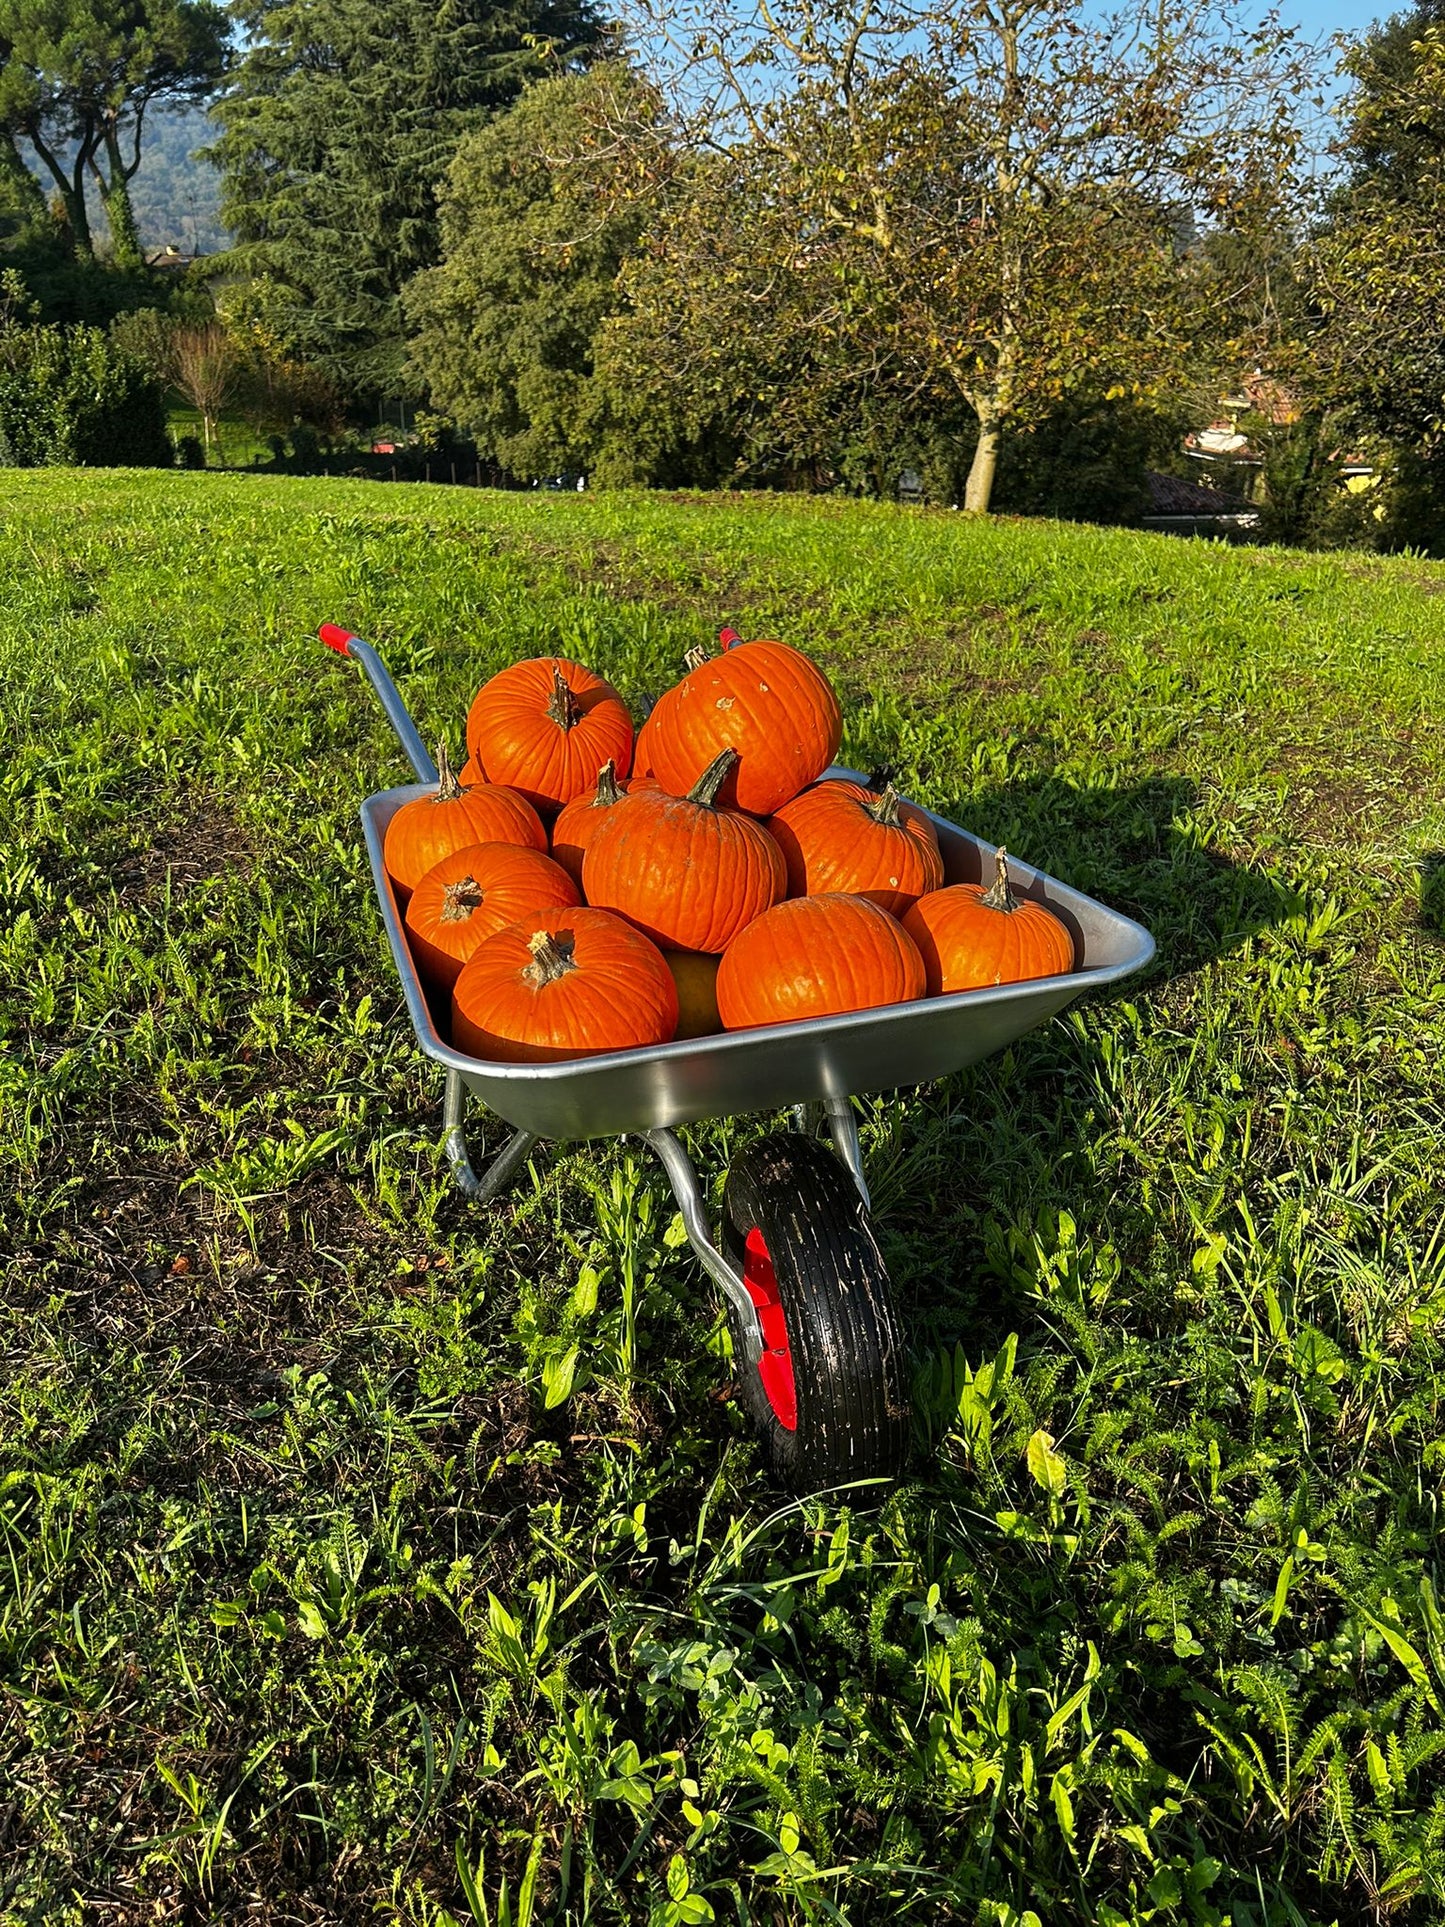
695,658
459,900
885,811
607,790
562,705
448,788
552,957
999,896
705,789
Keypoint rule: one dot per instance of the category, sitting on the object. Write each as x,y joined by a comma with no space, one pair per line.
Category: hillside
309,1596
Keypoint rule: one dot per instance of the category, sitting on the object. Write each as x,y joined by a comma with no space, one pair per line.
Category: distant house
1185,508
172,260
1224,445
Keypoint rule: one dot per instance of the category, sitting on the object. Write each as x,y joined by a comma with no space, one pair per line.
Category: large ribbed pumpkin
430,827
687,872
582,818
763,699
572,985
546,727
817,957
841,837
969,936
471,895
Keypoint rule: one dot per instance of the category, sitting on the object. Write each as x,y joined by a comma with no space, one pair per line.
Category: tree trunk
71,190
979,490
115,191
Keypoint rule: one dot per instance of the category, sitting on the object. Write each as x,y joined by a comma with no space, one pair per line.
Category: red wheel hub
775,1367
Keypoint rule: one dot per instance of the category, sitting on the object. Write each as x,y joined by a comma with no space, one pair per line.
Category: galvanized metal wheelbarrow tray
813,1068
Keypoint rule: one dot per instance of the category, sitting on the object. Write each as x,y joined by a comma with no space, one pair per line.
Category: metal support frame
683,1178
842,1122
503,1167
681,1175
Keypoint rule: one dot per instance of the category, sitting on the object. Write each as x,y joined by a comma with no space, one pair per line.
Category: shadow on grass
1135,847
1432,891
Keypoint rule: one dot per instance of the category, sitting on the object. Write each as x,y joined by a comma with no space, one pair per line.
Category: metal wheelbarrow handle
397,713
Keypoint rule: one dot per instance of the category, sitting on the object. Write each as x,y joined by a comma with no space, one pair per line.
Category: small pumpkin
430,827
690,874
840,837
969,936
571,985
763,699
472,894
546,727
581,819
817,957
695,975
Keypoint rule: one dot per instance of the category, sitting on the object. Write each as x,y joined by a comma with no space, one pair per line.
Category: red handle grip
336,638
727,637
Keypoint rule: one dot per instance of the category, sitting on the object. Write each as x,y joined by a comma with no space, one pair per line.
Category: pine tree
337,131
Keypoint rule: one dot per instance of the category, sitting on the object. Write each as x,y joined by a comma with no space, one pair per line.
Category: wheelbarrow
819,1358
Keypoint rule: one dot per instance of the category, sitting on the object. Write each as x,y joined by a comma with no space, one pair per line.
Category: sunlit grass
311,1607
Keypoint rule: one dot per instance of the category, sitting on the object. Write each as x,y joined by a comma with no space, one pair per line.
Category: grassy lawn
234,443
306,1597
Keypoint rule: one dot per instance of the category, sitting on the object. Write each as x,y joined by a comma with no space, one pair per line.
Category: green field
309,1599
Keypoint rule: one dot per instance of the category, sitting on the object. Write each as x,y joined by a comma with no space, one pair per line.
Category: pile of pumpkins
579,889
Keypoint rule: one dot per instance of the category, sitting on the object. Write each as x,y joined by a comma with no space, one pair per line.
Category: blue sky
1339,16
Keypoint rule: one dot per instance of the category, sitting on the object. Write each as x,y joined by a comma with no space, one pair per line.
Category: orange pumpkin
695,975
763,699
688,873
430,827
472,894
642,748
839,836
969,936
570,985
581,819
817,957
547,727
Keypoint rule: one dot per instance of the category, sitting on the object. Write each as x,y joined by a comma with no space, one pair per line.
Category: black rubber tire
850,1372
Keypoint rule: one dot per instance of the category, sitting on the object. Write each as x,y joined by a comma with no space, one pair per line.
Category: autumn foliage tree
998,202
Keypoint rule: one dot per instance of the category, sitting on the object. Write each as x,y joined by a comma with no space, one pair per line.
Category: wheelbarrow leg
843,1127
842,1122
690,1202
503,1167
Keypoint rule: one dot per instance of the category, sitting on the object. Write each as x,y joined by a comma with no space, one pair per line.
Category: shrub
71,396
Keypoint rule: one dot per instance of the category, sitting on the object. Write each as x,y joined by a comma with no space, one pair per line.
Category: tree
1376,266
77,79
999,199
336,136
506,324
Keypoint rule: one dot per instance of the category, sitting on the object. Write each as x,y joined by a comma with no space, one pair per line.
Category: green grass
310,1604
234,442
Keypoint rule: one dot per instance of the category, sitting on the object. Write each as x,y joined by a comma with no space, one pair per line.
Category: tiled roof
1169,496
